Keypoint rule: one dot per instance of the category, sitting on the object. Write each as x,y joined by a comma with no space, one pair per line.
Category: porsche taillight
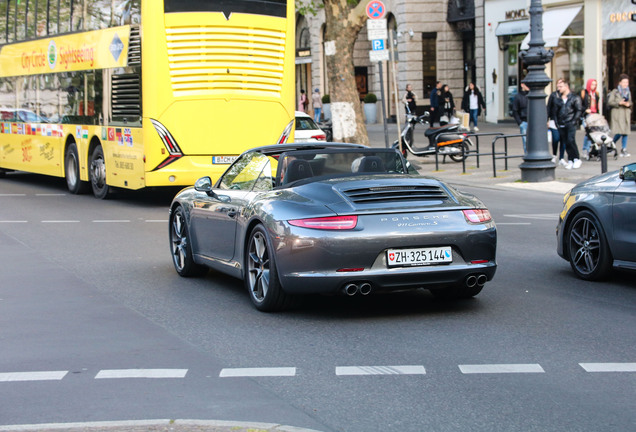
327,223
477,216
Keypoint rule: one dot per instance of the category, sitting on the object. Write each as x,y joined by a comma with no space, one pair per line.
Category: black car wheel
180,247
261,279
587,247
97,173
72,171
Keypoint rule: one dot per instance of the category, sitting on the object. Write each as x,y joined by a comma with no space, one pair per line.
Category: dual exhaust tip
479,280
365,288
352,289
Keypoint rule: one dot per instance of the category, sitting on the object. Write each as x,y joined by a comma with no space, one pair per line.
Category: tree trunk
343,22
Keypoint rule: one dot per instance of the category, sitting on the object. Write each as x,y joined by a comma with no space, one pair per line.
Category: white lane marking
111,221
13,221
541,216
513,223
11,195
157,220
60,221
162,424
141,373
501,368
32,376
257,372
50,194
380,370
609,367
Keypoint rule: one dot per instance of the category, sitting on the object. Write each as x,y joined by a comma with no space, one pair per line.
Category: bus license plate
419,256
223,159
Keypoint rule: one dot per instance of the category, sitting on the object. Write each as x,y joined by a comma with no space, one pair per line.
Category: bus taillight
170,143
285,135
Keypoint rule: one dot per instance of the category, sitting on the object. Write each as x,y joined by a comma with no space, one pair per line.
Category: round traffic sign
375,9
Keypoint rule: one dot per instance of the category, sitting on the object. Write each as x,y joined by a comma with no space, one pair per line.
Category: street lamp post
537,165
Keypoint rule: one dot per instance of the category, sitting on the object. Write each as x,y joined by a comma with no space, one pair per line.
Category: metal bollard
603,158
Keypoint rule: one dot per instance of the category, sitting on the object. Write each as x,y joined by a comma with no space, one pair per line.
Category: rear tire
72,171
458,157
261,277
97,173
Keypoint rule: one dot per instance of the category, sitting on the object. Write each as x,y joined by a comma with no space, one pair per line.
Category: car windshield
303,164
305,123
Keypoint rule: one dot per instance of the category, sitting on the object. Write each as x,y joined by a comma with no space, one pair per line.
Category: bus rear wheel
97,173
72,171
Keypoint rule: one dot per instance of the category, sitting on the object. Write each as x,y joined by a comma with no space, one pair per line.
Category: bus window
77,16
48,97
127,12
4,6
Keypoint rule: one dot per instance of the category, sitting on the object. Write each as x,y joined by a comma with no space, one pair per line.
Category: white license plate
418,256
223,159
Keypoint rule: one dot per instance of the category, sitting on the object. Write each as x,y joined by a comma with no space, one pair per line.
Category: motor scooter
453,143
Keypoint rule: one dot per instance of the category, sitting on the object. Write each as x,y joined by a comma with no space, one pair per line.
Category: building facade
432,40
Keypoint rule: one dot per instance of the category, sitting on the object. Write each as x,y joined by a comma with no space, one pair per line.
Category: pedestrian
567,111
436,97
620,102
472,103
302,102
448,105
316,102
520,112
590,99
558,145
410,100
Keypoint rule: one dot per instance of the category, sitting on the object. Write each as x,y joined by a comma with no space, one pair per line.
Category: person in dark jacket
558,145
447,104
520,111
436,95
567,111
472,103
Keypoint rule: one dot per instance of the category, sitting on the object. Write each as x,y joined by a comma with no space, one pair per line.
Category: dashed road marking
609,367
14,221
141,373
380,370
60,221
513,223
32,376
111,221
50,194
539,216
156,220
12,195
501,368
258,372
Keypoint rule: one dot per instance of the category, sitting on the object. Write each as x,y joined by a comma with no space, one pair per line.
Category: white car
307,130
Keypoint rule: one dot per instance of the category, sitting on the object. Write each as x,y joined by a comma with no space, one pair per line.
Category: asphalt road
95,325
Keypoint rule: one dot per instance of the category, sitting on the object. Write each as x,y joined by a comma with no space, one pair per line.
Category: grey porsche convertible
332,218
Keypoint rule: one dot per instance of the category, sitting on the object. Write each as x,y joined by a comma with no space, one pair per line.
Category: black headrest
371,164
297,169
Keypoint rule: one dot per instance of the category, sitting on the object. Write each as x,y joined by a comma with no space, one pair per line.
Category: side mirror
204,184
628,172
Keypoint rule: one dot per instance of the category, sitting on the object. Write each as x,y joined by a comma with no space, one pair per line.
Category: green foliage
326,99
309,7
370,98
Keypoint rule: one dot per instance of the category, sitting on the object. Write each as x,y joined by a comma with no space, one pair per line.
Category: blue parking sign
377,44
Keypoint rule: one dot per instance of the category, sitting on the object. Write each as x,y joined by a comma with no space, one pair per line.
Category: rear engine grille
208,61
386,194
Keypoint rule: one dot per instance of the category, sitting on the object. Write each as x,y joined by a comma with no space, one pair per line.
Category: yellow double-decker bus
139,93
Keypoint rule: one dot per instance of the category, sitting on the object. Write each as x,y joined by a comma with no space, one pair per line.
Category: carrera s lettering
413,218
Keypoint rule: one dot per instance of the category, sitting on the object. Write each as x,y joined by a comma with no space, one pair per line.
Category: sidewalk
483,176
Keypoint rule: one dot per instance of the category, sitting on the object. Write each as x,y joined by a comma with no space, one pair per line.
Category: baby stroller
598,131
